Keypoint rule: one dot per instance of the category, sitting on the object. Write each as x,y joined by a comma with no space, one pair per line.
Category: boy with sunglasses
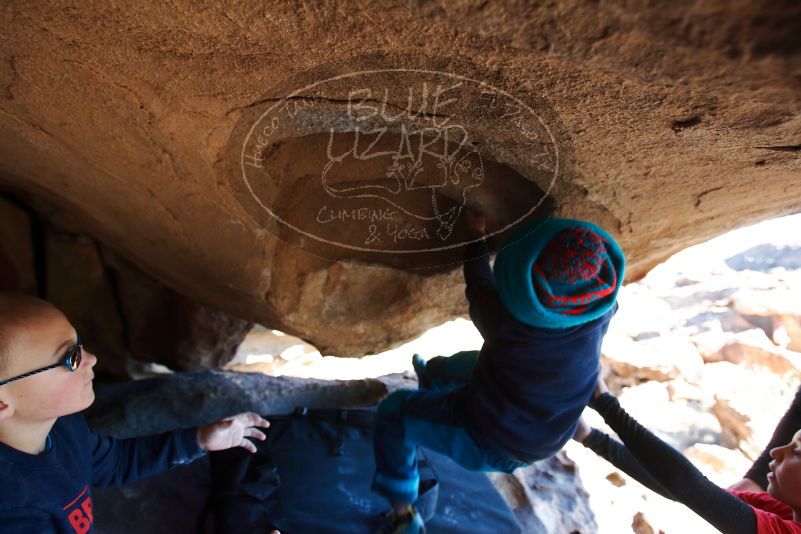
49,458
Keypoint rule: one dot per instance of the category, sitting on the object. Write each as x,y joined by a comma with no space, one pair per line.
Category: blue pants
433,419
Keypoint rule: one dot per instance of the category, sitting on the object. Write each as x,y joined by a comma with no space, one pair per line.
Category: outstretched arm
119,461
486,309
618,455
677,475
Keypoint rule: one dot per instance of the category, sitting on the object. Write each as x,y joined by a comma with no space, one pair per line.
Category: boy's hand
476,222
232,432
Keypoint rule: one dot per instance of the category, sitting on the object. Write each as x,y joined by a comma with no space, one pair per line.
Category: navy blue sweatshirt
51,491
530,384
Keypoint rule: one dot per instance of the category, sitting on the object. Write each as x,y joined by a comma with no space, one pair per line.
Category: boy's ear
6,410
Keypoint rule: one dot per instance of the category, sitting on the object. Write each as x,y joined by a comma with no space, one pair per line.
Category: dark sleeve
676,473
618,455
119,461
785,430
26,521
486,308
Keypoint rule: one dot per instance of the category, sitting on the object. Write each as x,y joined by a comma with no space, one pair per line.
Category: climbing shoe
410,522
419,365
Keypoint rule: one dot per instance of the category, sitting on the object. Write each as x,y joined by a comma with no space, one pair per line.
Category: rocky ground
705,351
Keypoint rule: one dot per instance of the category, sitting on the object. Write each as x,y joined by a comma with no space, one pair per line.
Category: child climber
542,314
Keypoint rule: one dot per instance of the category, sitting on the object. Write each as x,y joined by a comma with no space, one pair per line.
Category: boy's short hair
16,309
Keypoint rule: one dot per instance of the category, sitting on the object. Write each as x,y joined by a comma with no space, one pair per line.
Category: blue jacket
52,491
530,384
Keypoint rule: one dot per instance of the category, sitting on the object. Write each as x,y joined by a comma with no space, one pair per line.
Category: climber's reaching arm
677,475
618,455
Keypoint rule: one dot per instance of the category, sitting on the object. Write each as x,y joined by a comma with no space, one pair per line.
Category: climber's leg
433,420
445,372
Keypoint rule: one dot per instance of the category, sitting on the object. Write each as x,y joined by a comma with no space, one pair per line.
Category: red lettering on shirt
86,506
80,523
79,512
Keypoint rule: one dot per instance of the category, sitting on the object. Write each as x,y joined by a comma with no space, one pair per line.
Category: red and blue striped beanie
558,273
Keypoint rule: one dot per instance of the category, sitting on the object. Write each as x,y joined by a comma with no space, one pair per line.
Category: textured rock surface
659,358
123,316
548,496
199,397
16,251
166,327
677,122
78,284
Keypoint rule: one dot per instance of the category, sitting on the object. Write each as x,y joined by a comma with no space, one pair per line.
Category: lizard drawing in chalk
428,174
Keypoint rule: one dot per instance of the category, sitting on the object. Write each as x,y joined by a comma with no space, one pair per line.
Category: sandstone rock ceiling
673,121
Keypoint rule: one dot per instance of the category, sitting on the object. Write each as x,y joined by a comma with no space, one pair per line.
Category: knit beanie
558,273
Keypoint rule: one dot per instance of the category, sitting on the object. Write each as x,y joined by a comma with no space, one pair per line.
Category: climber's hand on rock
476,222
232,432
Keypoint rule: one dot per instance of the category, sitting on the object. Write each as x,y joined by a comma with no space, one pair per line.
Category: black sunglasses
72,359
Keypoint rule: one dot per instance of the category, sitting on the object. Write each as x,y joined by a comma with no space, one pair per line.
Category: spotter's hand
232,432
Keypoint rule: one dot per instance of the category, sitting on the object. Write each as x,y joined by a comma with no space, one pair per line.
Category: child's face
784,480
41,341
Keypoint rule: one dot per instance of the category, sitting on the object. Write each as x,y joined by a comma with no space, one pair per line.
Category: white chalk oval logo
379,166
